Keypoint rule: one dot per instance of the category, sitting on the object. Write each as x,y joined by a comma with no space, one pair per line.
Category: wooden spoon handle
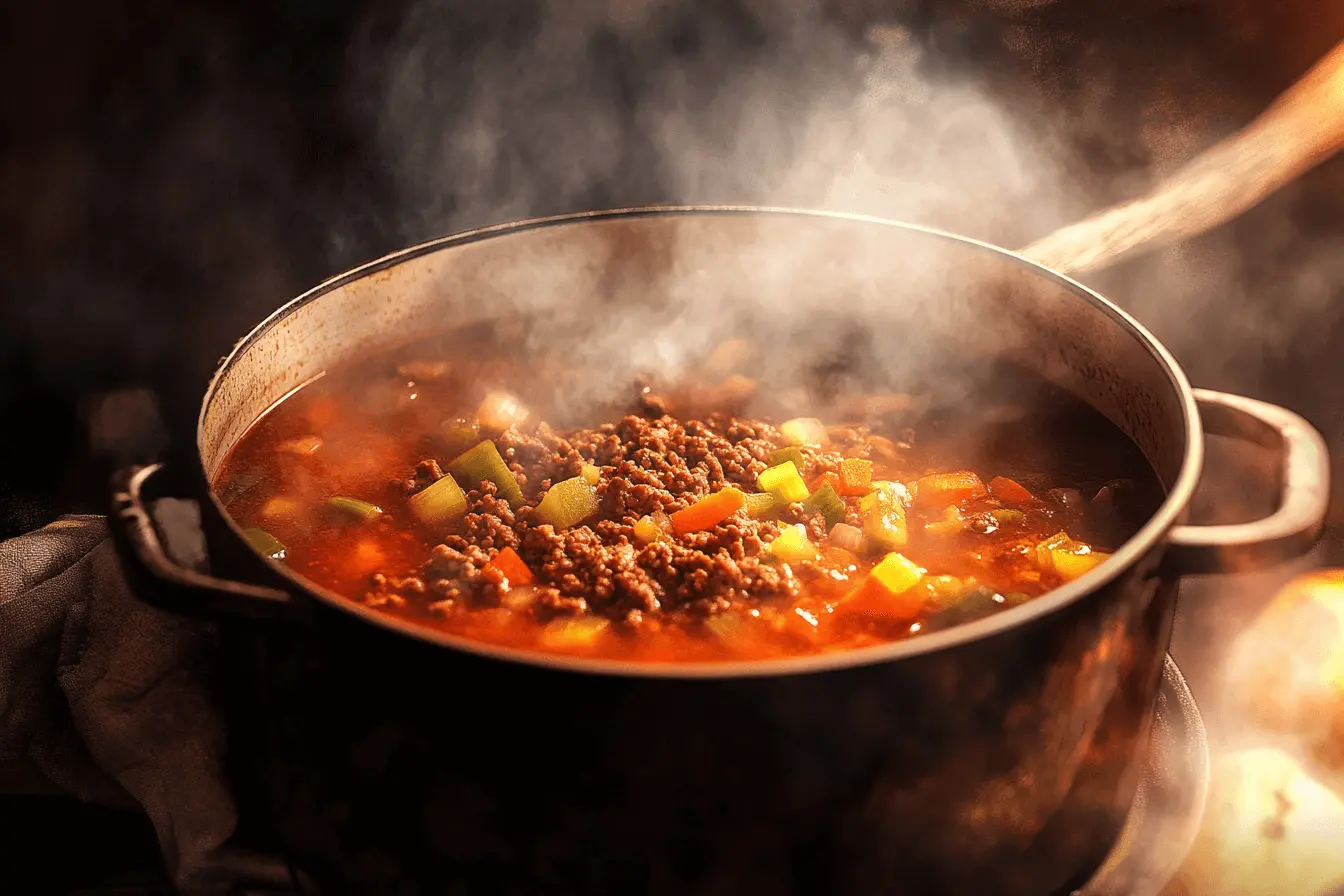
1303,127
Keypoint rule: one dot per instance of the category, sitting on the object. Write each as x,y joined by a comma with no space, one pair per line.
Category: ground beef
648,464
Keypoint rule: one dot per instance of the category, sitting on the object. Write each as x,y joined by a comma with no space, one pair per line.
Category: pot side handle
1304,491
158,579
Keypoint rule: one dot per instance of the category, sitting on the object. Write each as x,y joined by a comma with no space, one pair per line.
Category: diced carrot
856,477
888,591
1006,489
708,511
829,476
941,489
512,567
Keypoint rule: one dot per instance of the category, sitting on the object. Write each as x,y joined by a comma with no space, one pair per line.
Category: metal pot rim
1146,539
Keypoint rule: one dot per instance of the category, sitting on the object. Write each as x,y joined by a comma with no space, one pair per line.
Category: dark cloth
104,697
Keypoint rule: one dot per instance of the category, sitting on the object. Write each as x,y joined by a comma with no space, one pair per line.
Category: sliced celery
265,543
354,507
460,433
828,503
484,463
439,503
780,455
759,504
784,483
568,503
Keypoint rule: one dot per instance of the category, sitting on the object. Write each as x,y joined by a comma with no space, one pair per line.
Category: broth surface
948,510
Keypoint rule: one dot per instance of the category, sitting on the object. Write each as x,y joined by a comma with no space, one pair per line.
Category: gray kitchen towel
103,697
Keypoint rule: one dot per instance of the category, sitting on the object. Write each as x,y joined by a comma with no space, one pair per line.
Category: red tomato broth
376,426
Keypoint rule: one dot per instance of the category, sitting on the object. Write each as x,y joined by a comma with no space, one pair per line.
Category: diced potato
950,523
792,545
888,592
280,508
803,431
646,530
572,632
784,483
1071,565
897,573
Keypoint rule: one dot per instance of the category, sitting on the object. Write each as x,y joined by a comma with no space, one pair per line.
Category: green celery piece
780,455
568,503
484,463
440,502
354,507
759,504
265,543
460,432
828,503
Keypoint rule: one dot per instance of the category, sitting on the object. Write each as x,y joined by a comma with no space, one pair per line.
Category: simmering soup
447,486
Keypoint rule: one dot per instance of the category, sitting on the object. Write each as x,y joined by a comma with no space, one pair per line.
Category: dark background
170,172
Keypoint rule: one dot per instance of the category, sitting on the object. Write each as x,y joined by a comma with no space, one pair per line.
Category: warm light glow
1271,830
1287,667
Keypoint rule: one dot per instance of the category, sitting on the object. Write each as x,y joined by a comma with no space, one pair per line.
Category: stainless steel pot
1001,755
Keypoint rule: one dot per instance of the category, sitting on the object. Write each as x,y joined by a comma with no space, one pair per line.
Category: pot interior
622,293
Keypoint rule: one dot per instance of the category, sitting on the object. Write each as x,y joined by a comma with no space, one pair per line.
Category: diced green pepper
780,455
784,483
568,503
829,504
1006,517
884,520
265,543
460,433
803,431
759,504
354,507
440,502
484,463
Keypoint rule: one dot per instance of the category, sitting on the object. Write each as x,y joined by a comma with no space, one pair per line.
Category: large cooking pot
1000,756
